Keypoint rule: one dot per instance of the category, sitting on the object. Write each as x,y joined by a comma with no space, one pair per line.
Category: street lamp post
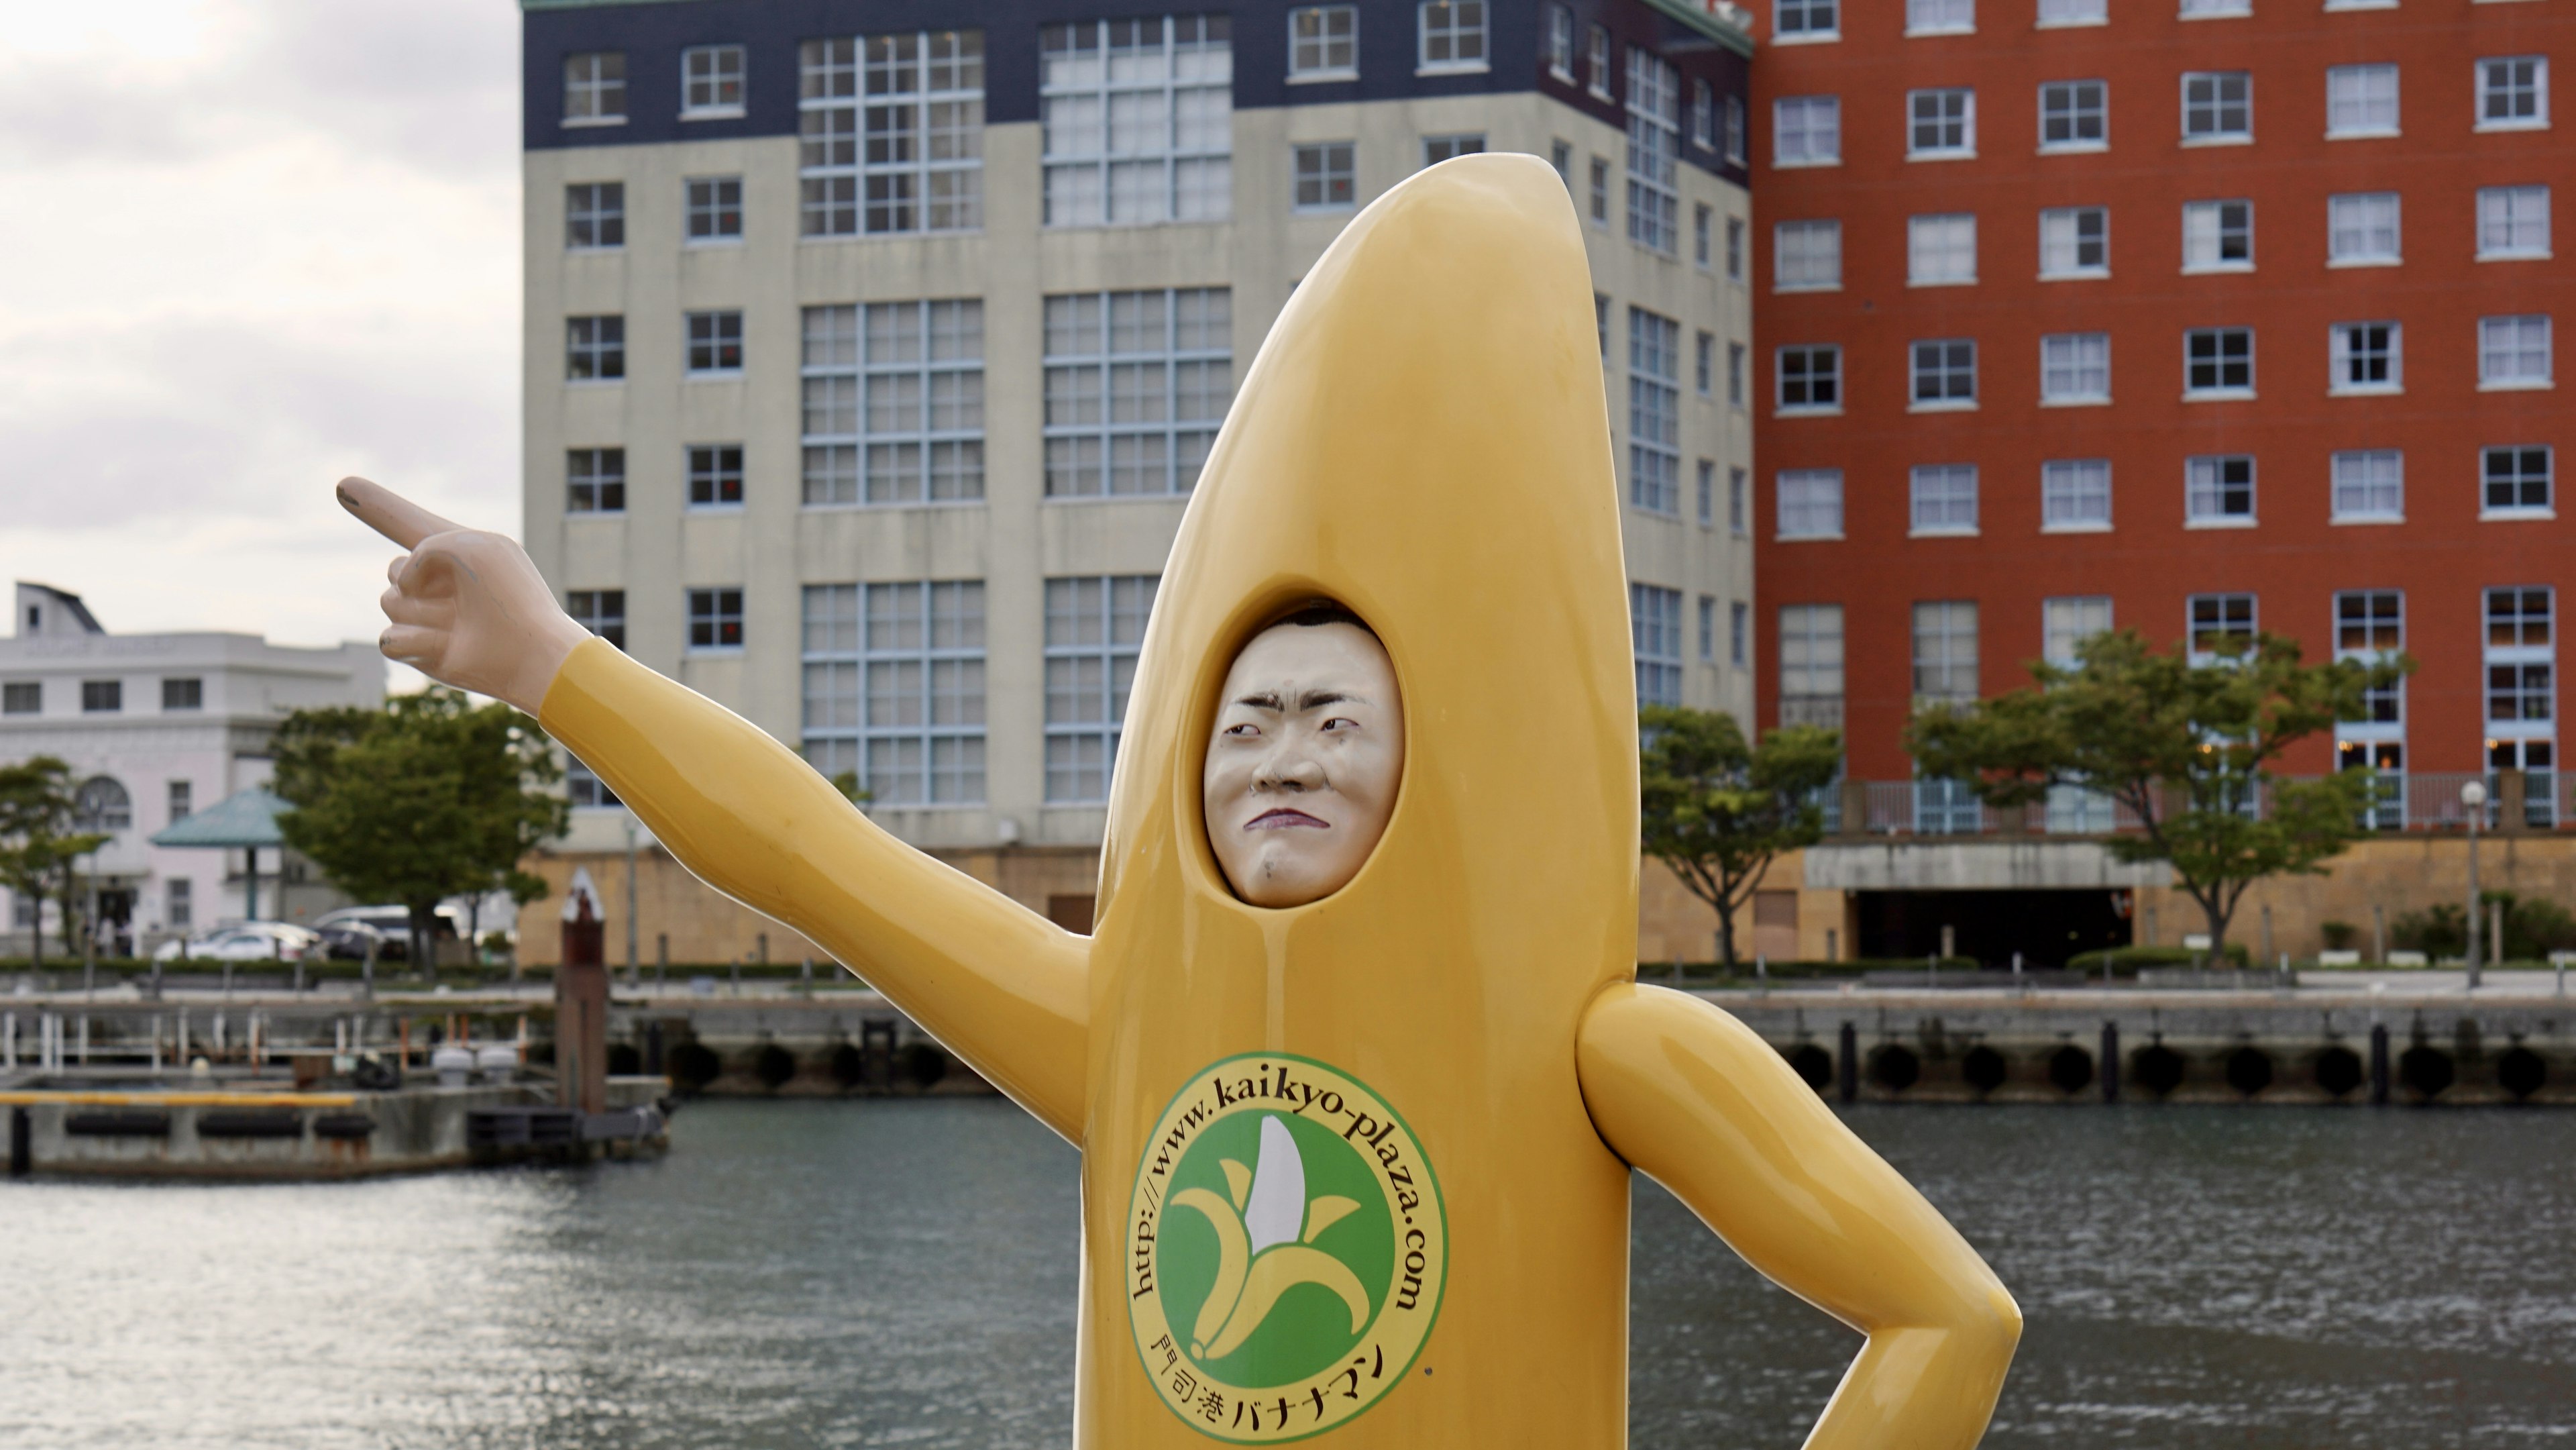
2473,797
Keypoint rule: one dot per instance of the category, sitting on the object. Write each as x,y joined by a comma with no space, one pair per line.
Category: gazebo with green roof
245,820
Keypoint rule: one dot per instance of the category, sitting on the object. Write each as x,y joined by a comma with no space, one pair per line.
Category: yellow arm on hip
1691,1097
998,984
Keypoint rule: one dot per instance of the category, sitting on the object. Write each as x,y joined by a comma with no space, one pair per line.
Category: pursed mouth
1281,818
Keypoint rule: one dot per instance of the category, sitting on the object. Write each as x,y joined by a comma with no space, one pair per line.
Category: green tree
38,802
427,798
1717,810
2191,750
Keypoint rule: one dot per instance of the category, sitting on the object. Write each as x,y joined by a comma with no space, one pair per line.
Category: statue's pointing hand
468,608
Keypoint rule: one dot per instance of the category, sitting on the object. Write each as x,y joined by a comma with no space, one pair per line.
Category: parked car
249,941
350,941
392,925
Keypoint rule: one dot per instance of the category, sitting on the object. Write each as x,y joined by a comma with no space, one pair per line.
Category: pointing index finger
389,513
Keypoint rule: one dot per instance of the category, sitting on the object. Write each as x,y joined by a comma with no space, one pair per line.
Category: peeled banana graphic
1257,1262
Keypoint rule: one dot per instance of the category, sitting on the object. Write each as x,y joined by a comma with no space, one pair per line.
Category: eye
1243,729
1340,722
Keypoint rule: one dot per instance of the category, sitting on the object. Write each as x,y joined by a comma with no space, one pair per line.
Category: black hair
1316,612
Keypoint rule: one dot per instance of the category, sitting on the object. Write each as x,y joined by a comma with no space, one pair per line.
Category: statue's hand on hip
467,608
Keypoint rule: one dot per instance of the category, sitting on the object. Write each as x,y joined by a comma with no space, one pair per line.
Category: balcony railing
2532,800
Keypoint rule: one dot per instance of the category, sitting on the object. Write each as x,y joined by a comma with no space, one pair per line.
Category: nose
1289,767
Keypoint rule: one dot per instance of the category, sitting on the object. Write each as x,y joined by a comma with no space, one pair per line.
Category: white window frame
1940,17
710,70
1739,502
1945,370
2214,9
717,330
1654,413
1933,248
709,608
2077,359
2340,354
1086,177
1454,25
2487,90
937,679
2547,508
1560,43
598,205
590,88
2217,105
1811,664
1819,122
2361,101
595,354
891,412
2076,114
2068,620
1596,62
1941,501
1965,148
711,210
714,465
1095,628
2520,656
2221,625
2367,486
907,84
1654,152
1807,256
2071,218
1942,646
1324,42
2207,491
2364,217
1807,31
1807,504
1084,432
2518,332
2060,14
2075,496
2507,206
1655,626
1325,154
1781,407
2222,391
2215,213
594,481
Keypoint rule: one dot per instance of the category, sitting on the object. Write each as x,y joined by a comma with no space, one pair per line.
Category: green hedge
2127,960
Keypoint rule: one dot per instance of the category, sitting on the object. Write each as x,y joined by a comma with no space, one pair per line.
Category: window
594,348
2075,241
2218,490
595,88
1811,379
1704,364
1735,152
714,208
102,697
186,693
1560,43
2370,486
1560,154
1452,35
1601,324
595,215
2220,623
1436,149
711,80
1941,251
2075,367
1596,64
2513,93
595,481
1654,412
178,903
1707,494
2074,116
1655,619
1811,503
2217,106
2517,480
1811,665
1945,650
1136,383
1739,630
1736,522
894,688
2521,664
715,342
1735,373
1805,19
2361,229
892,407
2074,12
2513,221
1326,176
2370,626
2367,357
1094,627
2218,362
2066,623
892,130
1944,498
2513,352
2075,495
1807,256
1600,192
601,611
22,697
715,619
1703,116
1940,17
1941,123
1654,151
2218,236
715,475
584,790
102,804
2361,100
1945,373
1735,249
1324,42
2206,9
1807,131
1701,225
1138,121
182,796
1708,628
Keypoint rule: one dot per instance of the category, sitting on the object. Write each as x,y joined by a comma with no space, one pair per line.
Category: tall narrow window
892,133
1702,223
893,402
2513,352
1811,665
1596,64
2218,490
1654,412
1945,651
1807,131
1735,374
2370,629
2367,357
1707,492
1324,43
1941,251
2521,667
711,82
1735,249
2361,229
1094,627
2218,236
1704,364
1735,152
1138,120
1811,503
1739,631
178,903
2075,495
1452,34
2361,100
1560,42
2513,222
2075,367
1708,628
1944,498
1807,256
1600,194
595,481
2517,480
1941,123
1654,151
1655,618
2370,486
2075,241
2513,93
1703,115
1945,373
1136,383
2217,106
1737,506
594,215
2074,116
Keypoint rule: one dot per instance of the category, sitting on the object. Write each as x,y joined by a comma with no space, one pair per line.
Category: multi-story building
872,351
2200,317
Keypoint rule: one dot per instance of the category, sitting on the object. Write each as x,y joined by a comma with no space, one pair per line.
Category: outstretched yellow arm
1691,1097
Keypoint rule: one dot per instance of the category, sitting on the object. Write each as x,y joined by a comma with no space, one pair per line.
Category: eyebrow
1311,700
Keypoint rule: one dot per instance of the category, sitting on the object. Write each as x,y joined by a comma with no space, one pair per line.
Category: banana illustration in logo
1261,1252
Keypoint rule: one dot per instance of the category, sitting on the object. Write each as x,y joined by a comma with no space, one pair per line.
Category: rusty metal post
581,1003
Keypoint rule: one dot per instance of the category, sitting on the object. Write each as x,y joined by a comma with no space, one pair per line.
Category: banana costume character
1356,1169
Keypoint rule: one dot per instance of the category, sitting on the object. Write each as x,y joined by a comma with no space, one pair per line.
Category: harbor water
902,1274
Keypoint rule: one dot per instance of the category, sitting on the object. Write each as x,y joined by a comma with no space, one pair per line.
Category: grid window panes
102,697
2513,221
892,133
1654,152
1811,379
595,480
2218,360
2361,100
1806,131
2066,623
893,402
1094,627
1941,251
595,215
1136,383
715,342
894,688
1436,149
2367,357
2217,105
594,348
2361,229
1654,412
595,88
584,790
2516,478
1945,650
1600,192
711,81
1940,17
2074,116
1811,503
2220,622
1945,372
1806,256
1560,42
1323,42
2219,489
1814,19
2370,485
179,902
2075,494
2513,93
1326,176
2217,236
2513,352
1941,122
2075,367
1451,34
1944,498
22,697
1811,665
2520,661
715,619
183,693
715,475
1655,618
713,207
2075,241
1138,121
2074,12
601,611
1596,64
2370,626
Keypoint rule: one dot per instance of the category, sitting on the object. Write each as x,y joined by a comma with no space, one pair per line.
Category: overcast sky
248,246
